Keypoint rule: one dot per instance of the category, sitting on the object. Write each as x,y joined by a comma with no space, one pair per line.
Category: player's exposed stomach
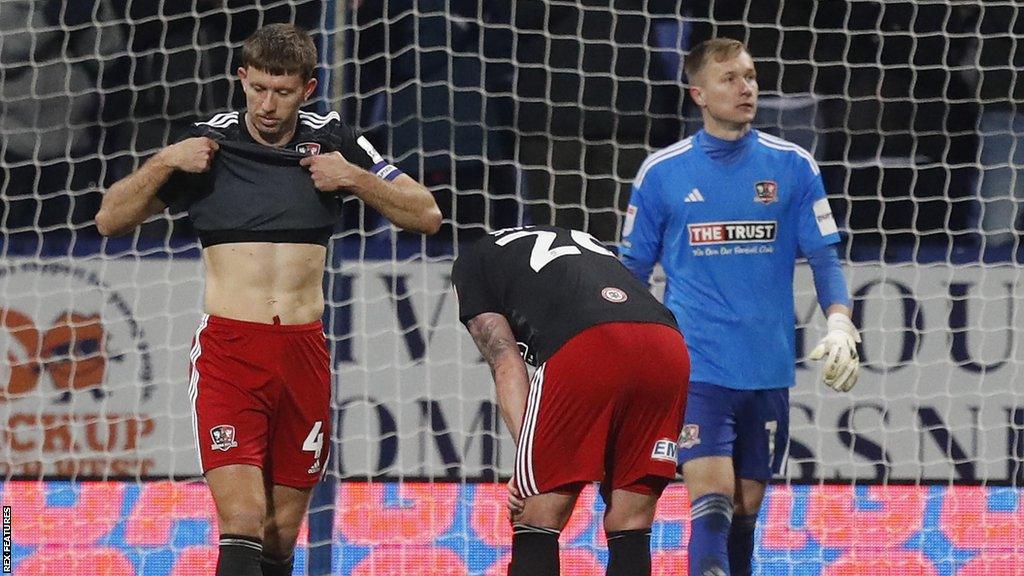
256,281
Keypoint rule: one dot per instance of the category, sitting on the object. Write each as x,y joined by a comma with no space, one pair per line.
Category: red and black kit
607,400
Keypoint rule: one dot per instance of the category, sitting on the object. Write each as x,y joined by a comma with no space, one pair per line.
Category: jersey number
772,427
543,254
314,441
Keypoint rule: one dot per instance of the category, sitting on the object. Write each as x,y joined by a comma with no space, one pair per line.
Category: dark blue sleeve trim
386,171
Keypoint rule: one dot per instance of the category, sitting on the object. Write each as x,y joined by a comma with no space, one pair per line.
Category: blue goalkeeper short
751,426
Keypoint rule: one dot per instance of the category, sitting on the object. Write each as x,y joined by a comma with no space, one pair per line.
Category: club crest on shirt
614,295
689,436
766,192
223,437
308,148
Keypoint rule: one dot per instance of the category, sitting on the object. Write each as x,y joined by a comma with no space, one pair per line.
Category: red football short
261,395
607,406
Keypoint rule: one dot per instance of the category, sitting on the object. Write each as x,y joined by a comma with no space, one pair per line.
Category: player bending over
606,401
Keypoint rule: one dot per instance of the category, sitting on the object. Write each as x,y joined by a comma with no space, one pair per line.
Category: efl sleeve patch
627,226
823,215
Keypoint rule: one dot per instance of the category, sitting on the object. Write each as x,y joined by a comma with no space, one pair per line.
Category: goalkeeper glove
839,348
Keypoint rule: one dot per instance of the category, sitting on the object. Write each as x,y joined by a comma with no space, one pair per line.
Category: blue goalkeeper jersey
727,232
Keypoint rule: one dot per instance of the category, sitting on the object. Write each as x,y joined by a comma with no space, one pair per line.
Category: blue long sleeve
642,233
829,279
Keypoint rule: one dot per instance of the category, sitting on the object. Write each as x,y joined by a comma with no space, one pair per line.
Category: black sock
534,551
239,556
274,567
629,553
741,545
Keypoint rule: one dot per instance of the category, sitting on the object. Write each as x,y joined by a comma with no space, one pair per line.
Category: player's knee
242,518
709,476
548,518
633,520
749,497
279,537
628,510
550,510
699,490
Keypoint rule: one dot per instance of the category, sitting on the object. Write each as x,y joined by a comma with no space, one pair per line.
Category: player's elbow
426,221
431,220
421,213
105,223
109,225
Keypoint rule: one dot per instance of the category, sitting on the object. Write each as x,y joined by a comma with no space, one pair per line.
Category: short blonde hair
717,49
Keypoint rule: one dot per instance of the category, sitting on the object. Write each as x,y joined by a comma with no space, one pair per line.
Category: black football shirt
550,284
259,193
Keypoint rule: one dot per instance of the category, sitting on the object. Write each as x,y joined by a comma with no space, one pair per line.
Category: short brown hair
280,49
718,49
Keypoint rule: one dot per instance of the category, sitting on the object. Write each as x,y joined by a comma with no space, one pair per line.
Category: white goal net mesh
512,113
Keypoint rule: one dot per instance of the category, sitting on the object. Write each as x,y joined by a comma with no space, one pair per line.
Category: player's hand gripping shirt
728,235
551,284
259,193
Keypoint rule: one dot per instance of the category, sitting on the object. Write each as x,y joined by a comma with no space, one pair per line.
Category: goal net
512,113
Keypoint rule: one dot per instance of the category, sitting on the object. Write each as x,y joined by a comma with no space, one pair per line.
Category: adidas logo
694,196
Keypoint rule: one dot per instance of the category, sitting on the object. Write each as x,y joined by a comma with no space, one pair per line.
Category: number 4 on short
314,441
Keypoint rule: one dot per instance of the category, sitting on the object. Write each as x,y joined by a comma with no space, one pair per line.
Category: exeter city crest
223,437
308,148
766,192
690,436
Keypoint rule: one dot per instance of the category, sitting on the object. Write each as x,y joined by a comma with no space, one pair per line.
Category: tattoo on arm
493,336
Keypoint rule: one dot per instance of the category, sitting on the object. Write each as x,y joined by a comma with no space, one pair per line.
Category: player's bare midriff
256,281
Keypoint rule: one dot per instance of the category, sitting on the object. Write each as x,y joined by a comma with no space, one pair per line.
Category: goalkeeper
263,188
727,212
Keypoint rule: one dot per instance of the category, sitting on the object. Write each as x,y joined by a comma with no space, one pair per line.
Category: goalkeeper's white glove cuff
842,323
